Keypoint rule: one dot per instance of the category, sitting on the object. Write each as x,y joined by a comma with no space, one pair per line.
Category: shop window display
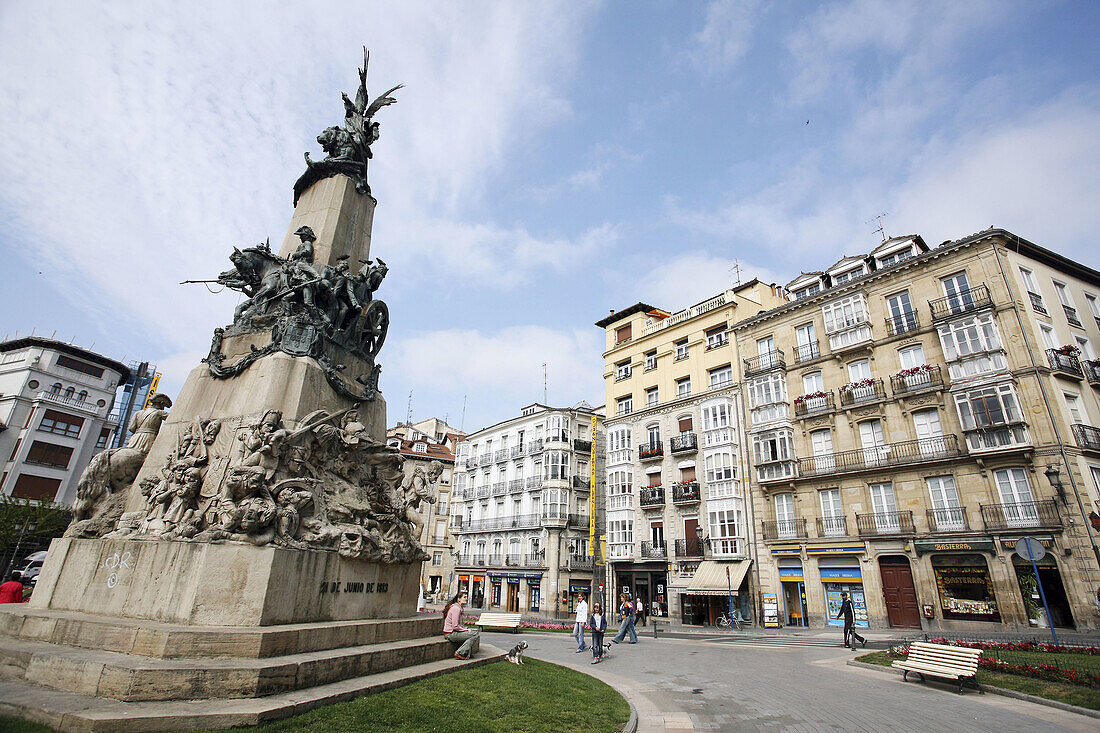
965,588
859,603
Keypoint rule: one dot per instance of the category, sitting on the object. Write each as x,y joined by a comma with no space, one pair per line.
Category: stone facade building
521,510
677,517
55,414
912,414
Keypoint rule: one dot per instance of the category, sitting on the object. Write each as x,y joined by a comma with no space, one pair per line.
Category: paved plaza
706,684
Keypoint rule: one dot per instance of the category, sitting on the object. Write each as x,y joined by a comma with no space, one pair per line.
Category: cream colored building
677,516
909,416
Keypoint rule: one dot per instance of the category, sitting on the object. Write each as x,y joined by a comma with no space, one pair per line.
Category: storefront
534,592
463,584
709,593
1051,579
477,592
648,586
507,591
964,585
839,569
794,592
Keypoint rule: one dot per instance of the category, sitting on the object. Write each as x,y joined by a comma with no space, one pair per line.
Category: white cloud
691,277
725,37
501,371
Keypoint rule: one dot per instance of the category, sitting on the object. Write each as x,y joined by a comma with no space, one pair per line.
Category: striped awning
710,578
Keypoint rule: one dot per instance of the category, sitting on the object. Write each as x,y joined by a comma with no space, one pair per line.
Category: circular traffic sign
1030,548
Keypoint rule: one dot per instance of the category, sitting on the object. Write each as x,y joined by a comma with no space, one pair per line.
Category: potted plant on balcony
914,371
1069,350
852,386
811,396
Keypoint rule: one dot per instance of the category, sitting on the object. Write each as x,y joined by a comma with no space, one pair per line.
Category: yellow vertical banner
592,492
152,389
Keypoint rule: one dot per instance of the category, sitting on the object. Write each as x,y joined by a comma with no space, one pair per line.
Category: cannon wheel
375,324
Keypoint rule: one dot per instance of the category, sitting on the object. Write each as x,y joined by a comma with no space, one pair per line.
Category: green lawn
1085,697
15,725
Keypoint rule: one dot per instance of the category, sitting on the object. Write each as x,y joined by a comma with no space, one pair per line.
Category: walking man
847,612
580,622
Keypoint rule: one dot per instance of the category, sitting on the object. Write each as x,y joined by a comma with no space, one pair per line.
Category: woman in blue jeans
626,614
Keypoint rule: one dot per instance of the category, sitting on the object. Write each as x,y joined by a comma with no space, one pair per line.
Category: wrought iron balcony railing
648,451
685,492
683,443
500,488
818,403
1087,437
832,526
1092,371
1037,303
885,523
577,562
881,456
536,560
857,394
1064,363
515,485
535,446
807,351
924,379
764,363
948,519
1071,315
534,482
962,302
578,520
903,323
690,547
1029,514
785,529
652,496
585,446
654,550
582,482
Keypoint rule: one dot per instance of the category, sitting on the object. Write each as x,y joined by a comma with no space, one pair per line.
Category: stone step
157,639
71,712
136,678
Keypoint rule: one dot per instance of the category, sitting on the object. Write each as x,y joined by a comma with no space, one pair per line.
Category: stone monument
263,518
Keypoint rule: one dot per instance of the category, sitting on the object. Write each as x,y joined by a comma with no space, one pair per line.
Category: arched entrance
1051,578
898,592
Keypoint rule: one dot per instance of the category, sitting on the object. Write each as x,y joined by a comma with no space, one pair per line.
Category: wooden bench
496,620
940,660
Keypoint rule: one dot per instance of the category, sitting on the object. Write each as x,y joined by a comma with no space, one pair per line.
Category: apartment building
913,413
677,518
55,414
420,450
525,535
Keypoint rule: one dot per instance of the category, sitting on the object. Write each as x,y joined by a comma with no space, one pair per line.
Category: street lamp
1052,473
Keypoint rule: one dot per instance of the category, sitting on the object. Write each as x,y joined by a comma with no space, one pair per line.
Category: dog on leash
515,654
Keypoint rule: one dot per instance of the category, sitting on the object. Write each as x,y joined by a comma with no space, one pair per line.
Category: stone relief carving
102,487
325,485
347,148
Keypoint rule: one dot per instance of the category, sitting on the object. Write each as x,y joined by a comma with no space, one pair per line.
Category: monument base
220,584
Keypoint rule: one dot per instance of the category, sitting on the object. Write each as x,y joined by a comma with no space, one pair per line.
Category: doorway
513,597
899,593
794,598
1060,614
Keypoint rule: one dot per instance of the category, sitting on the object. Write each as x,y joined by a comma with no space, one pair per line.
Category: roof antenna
545,386
735,273
409,412
880,230
462,426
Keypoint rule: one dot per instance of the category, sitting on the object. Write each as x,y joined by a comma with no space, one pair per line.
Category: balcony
1087,437
683,443
815,403
577,562
582,482
516,451
651,496
785,529
500,455
584,446
862,393
536,560
513,560
654,550
764,363
961,303
535,446
807,351
1007,436
881,456
483,492
1065,364
1037,303
71,402
685,492
578,520
926,378
485,460
534,482
1092,371
555,515
515,485
904,323
776,469
1071,315
690,547
496,561
500,488
1032,514
832,526
885,524
650,451
948,519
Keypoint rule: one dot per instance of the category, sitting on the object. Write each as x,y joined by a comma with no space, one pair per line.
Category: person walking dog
580,622
847,611
597,624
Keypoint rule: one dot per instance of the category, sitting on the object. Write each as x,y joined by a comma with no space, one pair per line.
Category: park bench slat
941,660
496,620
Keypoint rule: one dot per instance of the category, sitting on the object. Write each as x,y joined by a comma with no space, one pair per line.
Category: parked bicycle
724,621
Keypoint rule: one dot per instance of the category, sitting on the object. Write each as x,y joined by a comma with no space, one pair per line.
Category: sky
546,163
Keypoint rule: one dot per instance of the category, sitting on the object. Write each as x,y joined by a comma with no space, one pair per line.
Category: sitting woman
453,629
597,624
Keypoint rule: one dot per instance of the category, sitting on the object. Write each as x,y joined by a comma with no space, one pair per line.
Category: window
1094,306
420,447
620,537
846,276
683,387
619,489
1046,332
969,336
767,390
902,316
1085,346
1063,294
774,445
684,424
624,405
622,370
988,407
911,356
813,382
717,336
48,454
895,257
846,321
651,360
104,435
681,349
555,465
786,527
437,558
721,376
1016,497
884,506
622,334
38,488
719,467
716,423
651,397
653,435
859,370
806,292
1033,291
69,392
56,388
1073,404
832,512
957,290
807,347
725,531
557,428
947,514
61,424
79,366
618,445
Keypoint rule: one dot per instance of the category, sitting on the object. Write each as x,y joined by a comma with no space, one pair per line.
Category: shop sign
771,610
1046,542
576,588
968,546
796,550
835,550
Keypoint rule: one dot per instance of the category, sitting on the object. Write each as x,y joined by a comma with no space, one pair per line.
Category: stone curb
632,722
998,691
